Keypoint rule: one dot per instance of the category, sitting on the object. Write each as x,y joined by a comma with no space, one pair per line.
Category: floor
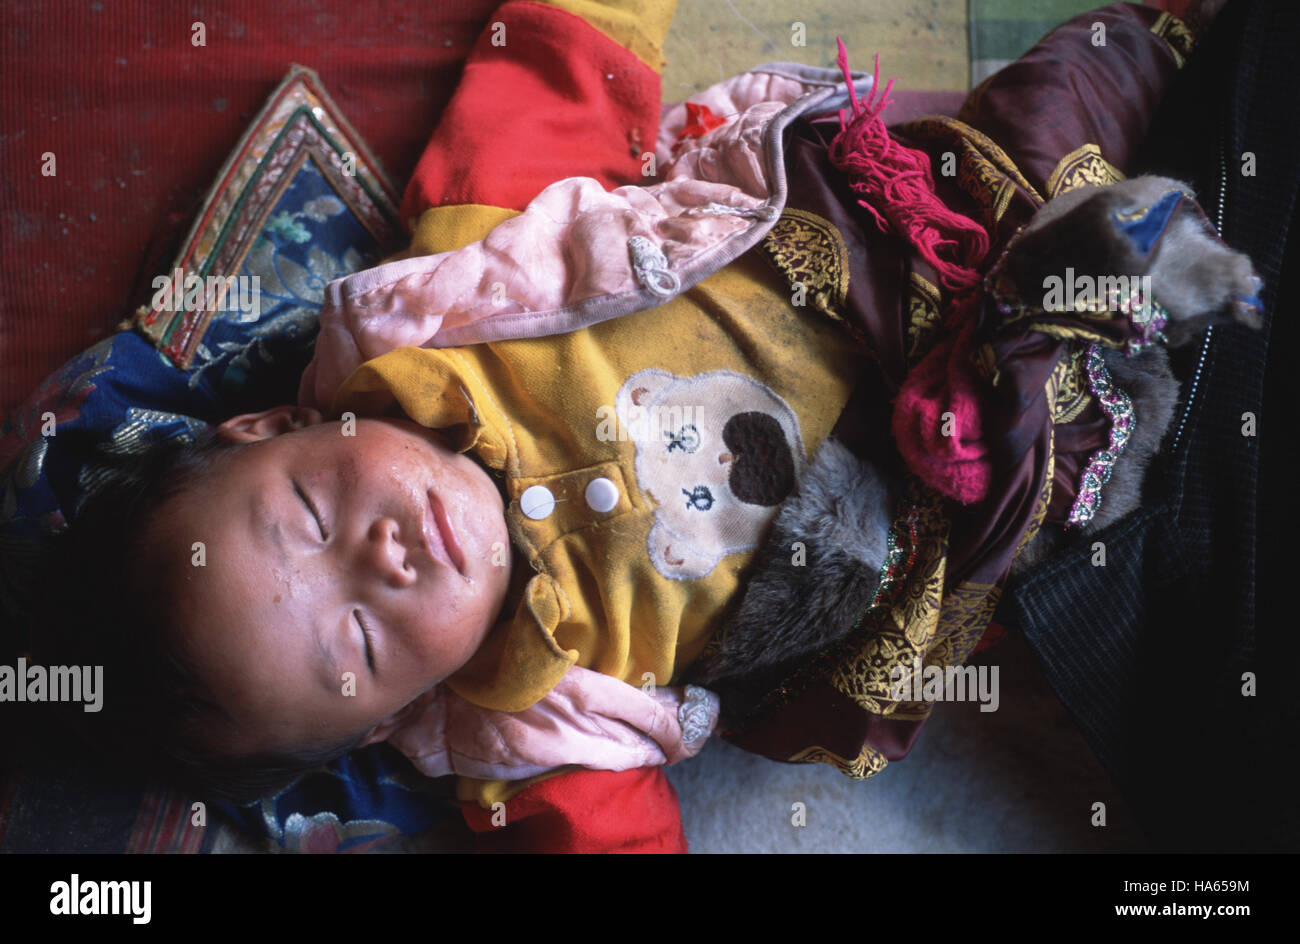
1018,779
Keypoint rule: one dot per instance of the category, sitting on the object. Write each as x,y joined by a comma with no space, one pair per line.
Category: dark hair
111,596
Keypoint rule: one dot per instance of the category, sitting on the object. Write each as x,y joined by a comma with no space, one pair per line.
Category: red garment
523,115
586,811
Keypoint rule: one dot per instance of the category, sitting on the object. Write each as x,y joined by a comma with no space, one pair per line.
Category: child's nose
385,554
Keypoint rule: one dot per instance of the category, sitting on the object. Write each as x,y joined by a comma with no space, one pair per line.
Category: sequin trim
1149,318
1115,403
899,558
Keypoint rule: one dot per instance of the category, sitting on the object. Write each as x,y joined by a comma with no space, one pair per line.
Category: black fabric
1148,651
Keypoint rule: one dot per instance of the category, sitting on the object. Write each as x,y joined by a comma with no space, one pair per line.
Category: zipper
1209,332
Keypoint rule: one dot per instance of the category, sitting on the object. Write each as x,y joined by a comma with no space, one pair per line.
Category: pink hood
580,254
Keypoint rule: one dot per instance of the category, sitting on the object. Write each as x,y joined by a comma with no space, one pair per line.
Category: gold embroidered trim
1069,333
922,317
983,170
867,764
1044,493
809,250
1067,387
920,623
1176,35
986,363
1084,166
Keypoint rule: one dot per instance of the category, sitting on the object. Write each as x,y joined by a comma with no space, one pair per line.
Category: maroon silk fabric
1038,110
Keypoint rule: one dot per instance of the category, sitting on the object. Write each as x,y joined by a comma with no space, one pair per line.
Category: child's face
309,535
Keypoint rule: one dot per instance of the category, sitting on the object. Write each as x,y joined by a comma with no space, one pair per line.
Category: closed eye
370,652
320,523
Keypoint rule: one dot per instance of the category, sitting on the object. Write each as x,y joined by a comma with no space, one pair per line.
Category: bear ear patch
641,388
762,466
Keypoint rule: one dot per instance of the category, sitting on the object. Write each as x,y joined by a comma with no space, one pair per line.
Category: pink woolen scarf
946,452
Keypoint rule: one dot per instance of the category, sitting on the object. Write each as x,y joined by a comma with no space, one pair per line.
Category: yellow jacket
658,446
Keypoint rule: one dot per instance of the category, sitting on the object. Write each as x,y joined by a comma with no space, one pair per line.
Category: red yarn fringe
937,420
900,187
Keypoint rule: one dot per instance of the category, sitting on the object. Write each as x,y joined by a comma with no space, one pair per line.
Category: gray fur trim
800,601
1154,390
1199,281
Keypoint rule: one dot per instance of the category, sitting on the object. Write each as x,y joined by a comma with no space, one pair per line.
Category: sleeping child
660,396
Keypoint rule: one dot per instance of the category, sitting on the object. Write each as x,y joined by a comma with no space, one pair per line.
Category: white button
602,495
537,502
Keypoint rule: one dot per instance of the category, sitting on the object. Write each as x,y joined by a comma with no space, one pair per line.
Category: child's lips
440,538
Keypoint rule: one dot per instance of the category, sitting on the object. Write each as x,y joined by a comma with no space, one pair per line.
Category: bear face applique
719,453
